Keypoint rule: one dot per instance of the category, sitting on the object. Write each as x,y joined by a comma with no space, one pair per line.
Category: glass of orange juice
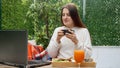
79,56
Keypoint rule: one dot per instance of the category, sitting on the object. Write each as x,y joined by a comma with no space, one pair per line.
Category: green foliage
44,18
0,15
13,14
41,17
103,21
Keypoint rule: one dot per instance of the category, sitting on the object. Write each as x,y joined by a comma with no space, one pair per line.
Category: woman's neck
70,27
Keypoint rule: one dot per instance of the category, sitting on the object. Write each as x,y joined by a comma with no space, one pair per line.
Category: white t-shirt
66,48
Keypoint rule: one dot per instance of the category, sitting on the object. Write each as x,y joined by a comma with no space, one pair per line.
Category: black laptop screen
13,46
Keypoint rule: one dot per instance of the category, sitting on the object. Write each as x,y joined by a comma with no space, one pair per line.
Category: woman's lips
65,21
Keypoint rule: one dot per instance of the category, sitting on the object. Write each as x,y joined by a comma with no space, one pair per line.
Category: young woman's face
66,18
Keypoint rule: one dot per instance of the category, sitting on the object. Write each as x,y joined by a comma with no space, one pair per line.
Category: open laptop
13,49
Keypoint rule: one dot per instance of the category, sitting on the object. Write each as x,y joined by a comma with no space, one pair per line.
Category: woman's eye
63,14
68,14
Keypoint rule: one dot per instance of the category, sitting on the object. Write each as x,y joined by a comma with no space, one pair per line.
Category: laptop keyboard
32,62
35,62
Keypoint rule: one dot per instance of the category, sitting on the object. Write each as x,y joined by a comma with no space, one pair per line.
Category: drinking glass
79,56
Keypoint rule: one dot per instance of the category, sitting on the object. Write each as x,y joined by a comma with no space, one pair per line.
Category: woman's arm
53,46
85,43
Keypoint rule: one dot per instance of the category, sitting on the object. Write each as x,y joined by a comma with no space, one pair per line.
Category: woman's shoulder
82,29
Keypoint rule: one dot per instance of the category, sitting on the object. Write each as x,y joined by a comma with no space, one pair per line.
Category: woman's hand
72,36
59,36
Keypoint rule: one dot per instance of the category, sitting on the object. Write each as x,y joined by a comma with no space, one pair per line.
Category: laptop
13,49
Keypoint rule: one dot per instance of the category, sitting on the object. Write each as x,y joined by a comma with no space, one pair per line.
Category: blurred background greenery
41,17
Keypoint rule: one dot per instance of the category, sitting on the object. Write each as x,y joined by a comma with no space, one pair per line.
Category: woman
63,43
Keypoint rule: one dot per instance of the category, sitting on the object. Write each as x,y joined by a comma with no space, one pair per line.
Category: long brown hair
74,15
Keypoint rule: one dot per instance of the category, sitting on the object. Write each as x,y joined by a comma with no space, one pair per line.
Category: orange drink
79,55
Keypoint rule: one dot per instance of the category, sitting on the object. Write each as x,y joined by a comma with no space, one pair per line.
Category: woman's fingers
71,36
60,33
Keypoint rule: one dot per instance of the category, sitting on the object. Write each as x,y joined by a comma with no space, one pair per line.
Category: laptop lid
13,46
